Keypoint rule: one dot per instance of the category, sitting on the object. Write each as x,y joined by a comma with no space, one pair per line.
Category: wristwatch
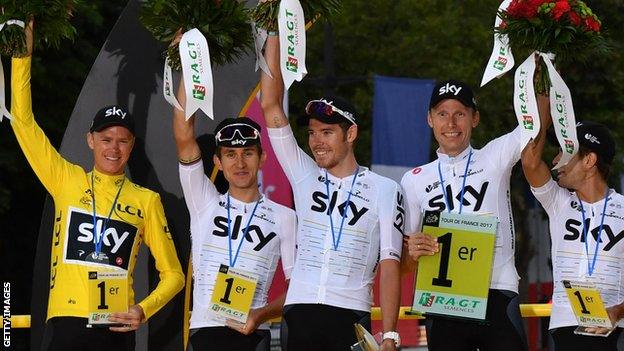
394,336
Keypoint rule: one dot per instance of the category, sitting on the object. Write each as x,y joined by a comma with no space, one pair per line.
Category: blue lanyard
98,236
344,213
446,199
240,244
590,267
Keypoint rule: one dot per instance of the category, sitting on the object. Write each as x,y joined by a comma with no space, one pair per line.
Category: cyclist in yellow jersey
123,215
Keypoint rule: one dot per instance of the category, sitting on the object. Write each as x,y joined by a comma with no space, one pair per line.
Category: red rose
523,8
561,7
574,18
537,3
592,24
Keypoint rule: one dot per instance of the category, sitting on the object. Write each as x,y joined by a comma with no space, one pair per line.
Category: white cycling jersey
372,229
569,256
271,234
486,192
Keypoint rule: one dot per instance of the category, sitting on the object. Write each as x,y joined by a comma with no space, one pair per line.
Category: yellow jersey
138,216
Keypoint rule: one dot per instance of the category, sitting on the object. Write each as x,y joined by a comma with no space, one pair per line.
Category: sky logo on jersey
472,197
574,231
320,205
254,233
399,220
117,240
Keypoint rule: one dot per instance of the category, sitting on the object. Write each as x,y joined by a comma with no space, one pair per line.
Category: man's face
111,149
328,143
572,174
452,124
240,166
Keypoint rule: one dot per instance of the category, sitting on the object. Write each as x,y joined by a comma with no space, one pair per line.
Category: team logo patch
117,240
416,170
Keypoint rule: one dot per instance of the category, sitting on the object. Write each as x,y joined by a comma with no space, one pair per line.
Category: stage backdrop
401,141
128,72
401,136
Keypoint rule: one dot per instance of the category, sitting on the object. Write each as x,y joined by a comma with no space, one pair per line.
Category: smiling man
586,225
350,225
101,219
466,180
241,230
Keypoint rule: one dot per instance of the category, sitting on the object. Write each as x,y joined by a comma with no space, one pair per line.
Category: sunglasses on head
323,107
244,131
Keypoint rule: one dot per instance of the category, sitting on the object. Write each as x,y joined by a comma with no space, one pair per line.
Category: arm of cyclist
272,89
389,298
49,166
535,169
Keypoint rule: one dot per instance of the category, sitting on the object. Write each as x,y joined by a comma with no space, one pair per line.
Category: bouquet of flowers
567,28
224,24
52,21
265,14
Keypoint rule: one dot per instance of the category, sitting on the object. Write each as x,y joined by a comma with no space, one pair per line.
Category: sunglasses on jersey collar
325,108
237,131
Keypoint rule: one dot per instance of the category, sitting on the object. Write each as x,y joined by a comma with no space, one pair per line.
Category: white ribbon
260,37
561,108
196,73
4,112
562,112
291,24
12,22
501,60
525,104
168,87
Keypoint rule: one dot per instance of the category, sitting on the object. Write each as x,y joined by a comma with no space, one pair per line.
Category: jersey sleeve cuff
279,133
544,189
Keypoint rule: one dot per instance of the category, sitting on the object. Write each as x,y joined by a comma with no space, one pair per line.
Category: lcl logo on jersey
320,205
574,231
472,197
117,240
254,234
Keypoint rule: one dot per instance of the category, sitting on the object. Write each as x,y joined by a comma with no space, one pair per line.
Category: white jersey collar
444,158
361,171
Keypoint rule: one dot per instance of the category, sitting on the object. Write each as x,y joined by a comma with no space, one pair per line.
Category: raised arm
535,169
184,131
272,89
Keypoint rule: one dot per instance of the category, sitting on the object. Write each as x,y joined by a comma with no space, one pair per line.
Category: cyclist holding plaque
101,219
586,224
467,181
350,222
237,237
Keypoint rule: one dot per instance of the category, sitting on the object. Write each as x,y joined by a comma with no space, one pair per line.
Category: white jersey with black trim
569,256
486,193
372,229
271,234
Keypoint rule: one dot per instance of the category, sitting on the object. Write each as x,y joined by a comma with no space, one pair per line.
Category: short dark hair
604,168
218,149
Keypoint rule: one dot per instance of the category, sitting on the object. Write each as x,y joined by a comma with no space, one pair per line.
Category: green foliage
52,18
266,13
224,23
